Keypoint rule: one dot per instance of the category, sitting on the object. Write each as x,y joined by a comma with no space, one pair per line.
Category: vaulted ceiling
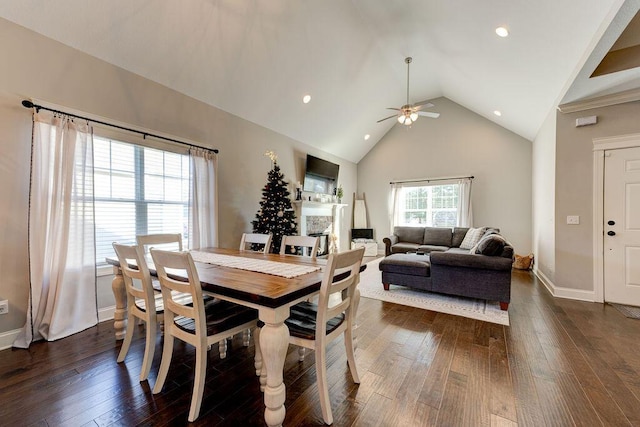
256,59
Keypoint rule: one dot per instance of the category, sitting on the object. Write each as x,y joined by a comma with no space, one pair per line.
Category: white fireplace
321,219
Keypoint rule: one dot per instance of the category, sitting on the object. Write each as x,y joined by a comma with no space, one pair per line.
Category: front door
622,226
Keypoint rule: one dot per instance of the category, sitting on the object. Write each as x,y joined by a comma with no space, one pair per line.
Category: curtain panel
62,297
203,212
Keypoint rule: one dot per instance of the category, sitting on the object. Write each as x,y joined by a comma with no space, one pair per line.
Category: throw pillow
491,245
472,237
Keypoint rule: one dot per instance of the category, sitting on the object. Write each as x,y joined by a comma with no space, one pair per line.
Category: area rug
371,287
628,310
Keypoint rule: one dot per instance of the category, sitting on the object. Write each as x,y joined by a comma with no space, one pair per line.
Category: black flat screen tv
320,176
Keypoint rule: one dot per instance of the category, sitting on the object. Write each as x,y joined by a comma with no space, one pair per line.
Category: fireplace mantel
313,204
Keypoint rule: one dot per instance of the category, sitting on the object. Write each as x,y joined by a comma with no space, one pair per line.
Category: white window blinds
138,190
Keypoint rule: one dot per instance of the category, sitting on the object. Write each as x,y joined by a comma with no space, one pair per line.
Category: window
433,206
445,204
138,190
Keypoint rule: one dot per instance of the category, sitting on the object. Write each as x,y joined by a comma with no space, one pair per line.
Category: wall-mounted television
320,176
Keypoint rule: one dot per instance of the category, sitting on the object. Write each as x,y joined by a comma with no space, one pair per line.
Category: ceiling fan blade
395,109
423,104
382,120
429,114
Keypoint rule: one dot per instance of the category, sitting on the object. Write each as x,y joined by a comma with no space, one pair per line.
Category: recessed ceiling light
306,99
366,137
502,31
497,113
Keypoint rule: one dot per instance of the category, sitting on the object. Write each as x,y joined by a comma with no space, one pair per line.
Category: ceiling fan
409,113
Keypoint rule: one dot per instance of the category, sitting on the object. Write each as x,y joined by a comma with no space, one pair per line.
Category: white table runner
274,268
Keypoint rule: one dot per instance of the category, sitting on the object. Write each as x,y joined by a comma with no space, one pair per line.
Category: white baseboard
106,313
7,338
568,293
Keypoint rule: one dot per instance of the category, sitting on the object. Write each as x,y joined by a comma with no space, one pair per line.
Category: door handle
611,233
611,222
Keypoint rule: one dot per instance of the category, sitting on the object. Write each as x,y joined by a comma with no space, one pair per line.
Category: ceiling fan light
413,116
407,121
401,119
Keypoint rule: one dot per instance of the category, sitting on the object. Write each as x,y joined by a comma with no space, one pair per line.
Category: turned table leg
120,295
274,340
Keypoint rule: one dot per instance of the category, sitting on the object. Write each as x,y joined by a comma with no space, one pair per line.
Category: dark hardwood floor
560,363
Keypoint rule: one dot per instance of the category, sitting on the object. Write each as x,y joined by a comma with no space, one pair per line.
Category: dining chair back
199,324
313,326
168,241
308,244
142,302
256,239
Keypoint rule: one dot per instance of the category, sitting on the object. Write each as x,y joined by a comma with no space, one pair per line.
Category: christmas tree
275,216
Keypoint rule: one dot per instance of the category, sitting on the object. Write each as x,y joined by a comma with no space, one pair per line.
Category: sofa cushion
437,236
404,247
458,236
431,248
409,234
472,237
415,265
459,251
491,245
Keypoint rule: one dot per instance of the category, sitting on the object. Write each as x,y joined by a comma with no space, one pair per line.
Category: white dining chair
141,302
314,326
200,324
308,244
258,239
167,241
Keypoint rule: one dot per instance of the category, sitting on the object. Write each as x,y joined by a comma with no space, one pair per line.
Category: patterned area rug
371,287
630,311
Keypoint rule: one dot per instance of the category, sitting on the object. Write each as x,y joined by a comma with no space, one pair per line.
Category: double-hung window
138,190
432,204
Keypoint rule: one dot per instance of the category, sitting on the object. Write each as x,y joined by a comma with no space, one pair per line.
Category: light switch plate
573,219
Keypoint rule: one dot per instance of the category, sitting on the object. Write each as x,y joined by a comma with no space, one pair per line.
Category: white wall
459,143
544,189
36,67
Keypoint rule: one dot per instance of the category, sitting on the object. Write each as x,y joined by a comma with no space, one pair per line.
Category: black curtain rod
429,180
28,104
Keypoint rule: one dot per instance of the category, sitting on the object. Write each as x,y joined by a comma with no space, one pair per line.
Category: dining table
271,294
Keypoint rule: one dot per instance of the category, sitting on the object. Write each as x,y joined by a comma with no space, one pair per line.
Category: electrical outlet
4,307
573,219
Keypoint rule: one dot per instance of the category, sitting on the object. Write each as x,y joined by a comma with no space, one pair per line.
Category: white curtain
465,212
62,298
203,216
393,206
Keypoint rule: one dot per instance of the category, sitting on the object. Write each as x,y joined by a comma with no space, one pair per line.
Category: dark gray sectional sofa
430,258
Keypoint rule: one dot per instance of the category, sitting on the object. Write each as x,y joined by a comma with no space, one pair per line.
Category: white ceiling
256,59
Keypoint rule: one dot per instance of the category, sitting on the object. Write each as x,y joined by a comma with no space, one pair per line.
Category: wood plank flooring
560,363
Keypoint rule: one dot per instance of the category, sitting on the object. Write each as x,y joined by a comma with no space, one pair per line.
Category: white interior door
622,226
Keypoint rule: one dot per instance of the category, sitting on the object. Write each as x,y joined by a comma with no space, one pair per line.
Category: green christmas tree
275,216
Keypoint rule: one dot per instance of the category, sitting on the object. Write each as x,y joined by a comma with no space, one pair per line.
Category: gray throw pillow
491,245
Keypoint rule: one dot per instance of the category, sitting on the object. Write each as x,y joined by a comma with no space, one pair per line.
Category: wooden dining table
271,295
